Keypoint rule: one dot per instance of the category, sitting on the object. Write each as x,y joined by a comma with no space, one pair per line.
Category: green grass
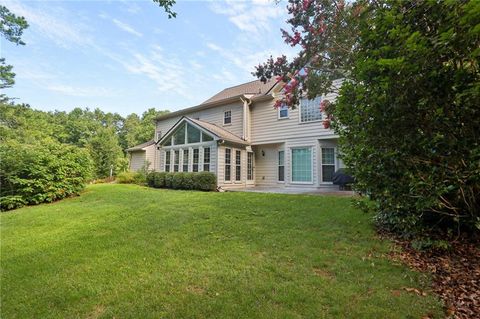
126,251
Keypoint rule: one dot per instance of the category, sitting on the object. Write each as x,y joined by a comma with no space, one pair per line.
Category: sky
127,56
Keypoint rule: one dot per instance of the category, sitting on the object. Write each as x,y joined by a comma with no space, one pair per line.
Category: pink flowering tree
325,31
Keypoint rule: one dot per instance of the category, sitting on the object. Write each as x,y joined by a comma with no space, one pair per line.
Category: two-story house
238,135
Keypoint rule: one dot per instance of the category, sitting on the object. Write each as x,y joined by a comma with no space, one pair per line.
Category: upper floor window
283,112
227,117
310,110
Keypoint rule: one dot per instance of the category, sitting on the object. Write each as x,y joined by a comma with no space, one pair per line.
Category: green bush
131,178
169,180
204,181
42,172
126,178
159,181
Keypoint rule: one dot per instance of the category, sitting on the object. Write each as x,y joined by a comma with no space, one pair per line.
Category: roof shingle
254,88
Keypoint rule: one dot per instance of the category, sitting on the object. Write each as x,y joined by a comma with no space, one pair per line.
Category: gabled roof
220,132
254,88
217,132
140,147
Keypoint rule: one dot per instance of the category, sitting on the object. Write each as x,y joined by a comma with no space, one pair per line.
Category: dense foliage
407,114
41,172
205,181
50,155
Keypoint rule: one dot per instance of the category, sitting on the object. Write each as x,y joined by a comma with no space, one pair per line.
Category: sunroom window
179,136
193,134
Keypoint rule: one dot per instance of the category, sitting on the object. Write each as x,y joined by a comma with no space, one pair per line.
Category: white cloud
125,27
55,24
167,72
80,91
250,16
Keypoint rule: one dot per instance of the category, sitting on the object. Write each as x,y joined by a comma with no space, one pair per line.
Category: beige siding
137,160
150,156
233,183
267,128
266,166
212,115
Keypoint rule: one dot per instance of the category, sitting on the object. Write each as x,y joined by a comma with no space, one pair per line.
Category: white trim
226,124
278,113
300,111
311,165
335,164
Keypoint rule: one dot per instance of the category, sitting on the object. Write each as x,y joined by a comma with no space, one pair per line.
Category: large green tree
408,114
11,28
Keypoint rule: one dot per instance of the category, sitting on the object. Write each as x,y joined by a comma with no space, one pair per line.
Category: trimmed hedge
204,181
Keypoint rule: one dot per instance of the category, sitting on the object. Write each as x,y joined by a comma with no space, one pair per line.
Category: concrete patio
328,190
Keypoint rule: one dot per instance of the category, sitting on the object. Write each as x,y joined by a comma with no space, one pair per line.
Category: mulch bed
456,274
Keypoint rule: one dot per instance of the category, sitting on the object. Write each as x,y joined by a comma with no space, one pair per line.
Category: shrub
126,178
131,178
42,172
159,181
204,181
169,180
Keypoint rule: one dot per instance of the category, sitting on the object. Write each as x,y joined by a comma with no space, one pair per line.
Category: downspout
246,125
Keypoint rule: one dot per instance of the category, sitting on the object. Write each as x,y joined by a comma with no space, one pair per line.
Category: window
206,159
283,112
193,134
249,166
238,165
167,161
179,136
158,136
328,163
228,158
310,109
281,166
195,160
185,161
176,160
227,117
206,137
302,165
168,141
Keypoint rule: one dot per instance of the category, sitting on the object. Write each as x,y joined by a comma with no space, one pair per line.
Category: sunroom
192,145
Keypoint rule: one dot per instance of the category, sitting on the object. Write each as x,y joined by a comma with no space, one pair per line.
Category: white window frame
280,108
301,107
238,165
278,166
250,166
225,116
187,151
311,147
209,158
169,152
321,163
225,166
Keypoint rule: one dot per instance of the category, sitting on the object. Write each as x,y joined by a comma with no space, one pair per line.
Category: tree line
47,156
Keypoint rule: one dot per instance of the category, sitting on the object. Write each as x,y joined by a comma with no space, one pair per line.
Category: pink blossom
326,124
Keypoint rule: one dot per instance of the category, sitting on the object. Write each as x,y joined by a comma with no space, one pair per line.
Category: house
245,141
142,156
239,135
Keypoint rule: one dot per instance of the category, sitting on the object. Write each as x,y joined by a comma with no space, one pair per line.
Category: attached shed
142,156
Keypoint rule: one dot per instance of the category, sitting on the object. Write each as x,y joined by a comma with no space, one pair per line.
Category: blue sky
127,56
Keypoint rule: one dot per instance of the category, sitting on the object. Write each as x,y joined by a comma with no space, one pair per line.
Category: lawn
127,251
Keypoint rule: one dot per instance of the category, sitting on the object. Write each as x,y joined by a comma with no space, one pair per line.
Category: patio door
250,169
